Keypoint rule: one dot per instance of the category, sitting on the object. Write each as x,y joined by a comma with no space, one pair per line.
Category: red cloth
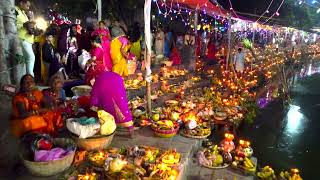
175,57
198,44
212,51
98,65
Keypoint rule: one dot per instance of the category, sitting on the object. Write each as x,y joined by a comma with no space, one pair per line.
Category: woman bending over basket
109,93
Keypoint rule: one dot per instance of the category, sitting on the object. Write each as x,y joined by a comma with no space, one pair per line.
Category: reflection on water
294,120
290,140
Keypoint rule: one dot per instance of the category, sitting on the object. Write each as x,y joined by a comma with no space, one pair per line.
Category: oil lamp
87,176
244,149
295,171
228,144
140,78
164,86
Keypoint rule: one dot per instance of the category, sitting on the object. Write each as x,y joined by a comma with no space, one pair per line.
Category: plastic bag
108,125
83,131
87,121
50,155
83,59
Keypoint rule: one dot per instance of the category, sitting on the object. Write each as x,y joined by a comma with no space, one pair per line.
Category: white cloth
83,59
83,131
239,62
29,55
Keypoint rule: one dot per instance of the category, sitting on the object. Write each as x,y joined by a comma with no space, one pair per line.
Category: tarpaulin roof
204,5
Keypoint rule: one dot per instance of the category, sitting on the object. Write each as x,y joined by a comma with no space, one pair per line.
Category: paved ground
8,144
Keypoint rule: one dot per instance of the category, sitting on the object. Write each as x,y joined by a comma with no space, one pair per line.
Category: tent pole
148,50
193,62
99,4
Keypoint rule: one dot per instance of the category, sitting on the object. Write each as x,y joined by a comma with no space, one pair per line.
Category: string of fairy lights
265,12
276,13
173,10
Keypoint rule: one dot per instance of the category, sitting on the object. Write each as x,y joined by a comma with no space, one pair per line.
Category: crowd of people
56,54
58,48
104,46
98,54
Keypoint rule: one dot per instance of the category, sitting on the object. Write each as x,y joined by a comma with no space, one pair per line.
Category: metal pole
99,4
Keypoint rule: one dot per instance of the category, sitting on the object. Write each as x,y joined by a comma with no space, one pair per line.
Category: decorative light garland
231,9
276,13
172,12
265,12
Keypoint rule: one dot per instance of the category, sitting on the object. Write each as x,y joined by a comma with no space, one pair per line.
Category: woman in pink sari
95,64
112,100
104,34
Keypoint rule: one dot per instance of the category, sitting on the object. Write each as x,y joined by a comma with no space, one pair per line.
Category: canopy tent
203,5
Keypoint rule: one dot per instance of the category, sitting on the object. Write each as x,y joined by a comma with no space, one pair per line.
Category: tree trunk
11,71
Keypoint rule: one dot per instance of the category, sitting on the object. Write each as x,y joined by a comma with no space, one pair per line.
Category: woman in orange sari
29,114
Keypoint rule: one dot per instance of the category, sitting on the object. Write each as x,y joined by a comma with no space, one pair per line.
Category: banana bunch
267,173
248,165
287,176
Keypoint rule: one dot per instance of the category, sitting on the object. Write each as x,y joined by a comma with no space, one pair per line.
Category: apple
156,117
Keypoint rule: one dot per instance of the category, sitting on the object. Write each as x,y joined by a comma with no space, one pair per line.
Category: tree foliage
291,13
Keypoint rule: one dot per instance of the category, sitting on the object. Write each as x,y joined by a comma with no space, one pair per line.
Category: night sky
257,7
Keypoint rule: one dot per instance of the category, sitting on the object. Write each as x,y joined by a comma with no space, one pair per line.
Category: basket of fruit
212,157
165,128
244,165
220,116
198,131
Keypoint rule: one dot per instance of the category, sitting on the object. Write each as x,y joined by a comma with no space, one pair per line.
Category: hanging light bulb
300,2
277,14
159,12
267,11
318,11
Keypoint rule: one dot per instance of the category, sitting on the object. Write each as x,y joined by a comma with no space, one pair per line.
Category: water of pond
287,139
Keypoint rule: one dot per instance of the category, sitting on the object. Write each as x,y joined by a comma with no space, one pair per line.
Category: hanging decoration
265,12
177,10
276,13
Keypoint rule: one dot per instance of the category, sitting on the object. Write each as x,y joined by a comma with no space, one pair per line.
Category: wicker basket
98,142
166,133
50,168
82,90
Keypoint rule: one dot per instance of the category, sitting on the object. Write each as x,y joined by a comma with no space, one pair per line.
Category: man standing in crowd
26,34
